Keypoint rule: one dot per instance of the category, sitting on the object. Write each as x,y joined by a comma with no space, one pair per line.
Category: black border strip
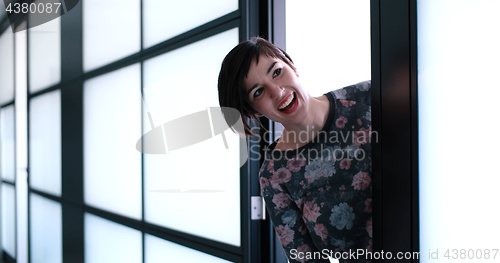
143,205
376,125
395,156
395,134
415,224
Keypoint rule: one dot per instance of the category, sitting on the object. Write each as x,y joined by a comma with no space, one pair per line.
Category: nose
277,92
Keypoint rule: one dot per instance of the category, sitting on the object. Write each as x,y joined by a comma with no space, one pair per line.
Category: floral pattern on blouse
319,196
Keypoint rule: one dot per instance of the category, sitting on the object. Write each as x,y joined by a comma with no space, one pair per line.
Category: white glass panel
45,230
329,42
45,55
106,242
7,144
166,19
45,142
21,145
6,66
201,179
160,250
112,126
9,219
21,99
458,91
111,31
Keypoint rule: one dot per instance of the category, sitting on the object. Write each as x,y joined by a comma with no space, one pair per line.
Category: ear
258,114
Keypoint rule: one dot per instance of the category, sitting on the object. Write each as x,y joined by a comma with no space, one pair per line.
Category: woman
316,178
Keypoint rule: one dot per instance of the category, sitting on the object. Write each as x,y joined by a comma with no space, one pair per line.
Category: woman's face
274,90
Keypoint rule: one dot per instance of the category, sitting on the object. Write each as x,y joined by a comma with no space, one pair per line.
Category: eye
257,92
277,72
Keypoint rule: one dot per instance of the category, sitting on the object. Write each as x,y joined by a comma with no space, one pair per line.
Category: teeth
287,102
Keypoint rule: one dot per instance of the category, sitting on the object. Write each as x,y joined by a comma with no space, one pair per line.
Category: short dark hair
234,70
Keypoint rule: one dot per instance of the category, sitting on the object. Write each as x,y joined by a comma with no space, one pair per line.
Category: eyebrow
256,85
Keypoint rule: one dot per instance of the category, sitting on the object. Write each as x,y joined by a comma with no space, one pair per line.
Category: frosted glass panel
106,241
6,66
111,31
160,250
21,66
166,19
336,52
45,230
22,144
45,142
9,219
458,91
45,55
112,126
7,144
201,179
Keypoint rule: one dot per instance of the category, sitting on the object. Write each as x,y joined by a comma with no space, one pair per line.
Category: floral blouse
319,196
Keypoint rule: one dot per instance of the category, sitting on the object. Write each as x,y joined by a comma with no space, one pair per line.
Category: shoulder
360,92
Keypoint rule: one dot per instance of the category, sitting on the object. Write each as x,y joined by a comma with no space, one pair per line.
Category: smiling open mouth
288,104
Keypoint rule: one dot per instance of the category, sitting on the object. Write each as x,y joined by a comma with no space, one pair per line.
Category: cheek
257,107
260,108
253,106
